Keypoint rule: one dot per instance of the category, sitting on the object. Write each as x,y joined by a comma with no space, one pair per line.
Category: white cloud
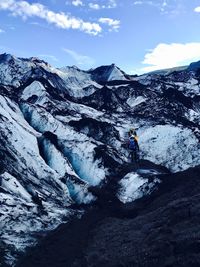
171,55
108,5
156,4
112,4
197,9
164,3
114,24
77,3
34,23
2,31
94,6
138,3
167,7
80,59
45,56
60,20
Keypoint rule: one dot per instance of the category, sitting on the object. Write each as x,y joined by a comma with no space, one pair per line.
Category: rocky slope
160,229
65,130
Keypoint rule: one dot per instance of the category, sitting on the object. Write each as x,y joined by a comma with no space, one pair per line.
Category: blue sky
136,35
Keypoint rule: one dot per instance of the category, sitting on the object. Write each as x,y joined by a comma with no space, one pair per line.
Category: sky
137,35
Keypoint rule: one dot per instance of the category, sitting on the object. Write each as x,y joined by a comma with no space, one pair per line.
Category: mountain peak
107,73
70,68
194,66
6,57
37,60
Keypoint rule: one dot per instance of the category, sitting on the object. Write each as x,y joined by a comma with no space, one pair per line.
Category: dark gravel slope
161,230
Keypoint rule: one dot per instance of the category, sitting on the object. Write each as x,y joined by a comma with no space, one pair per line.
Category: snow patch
12,185
134,186
193,115
77,188
190,87
81,157
174,147
79,193
116,74
78,82
77,147
132,102
35,89
55,159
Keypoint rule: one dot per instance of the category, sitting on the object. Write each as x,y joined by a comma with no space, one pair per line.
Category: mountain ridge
192,66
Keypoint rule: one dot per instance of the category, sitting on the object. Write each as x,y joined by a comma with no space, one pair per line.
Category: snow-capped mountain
64,130
108,73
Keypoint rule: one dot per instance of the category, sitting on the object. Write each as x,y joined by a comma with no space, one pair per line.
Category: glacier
65,130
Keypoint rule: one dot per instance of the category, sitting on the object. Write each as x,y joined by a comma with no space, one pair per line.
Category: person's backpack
132,144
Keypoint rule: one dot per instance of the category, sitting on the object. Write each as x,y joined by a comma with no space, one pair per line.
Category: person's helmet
131,131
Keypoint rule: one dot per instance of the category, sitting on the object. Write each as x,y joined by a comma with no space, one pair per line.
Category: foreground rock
160,229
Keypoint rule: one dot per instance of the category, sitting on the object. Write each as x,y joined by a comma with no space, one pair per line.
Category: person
133,145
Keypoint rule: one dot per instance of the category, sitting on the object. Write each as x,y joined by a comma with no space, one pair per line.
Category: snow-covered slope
15,71
174,147
78,82
185,81
63,130
134,186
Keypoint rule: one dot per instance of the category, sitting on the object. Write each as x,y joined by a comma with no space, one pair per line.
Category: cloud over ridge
61,20
80,59
171,55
